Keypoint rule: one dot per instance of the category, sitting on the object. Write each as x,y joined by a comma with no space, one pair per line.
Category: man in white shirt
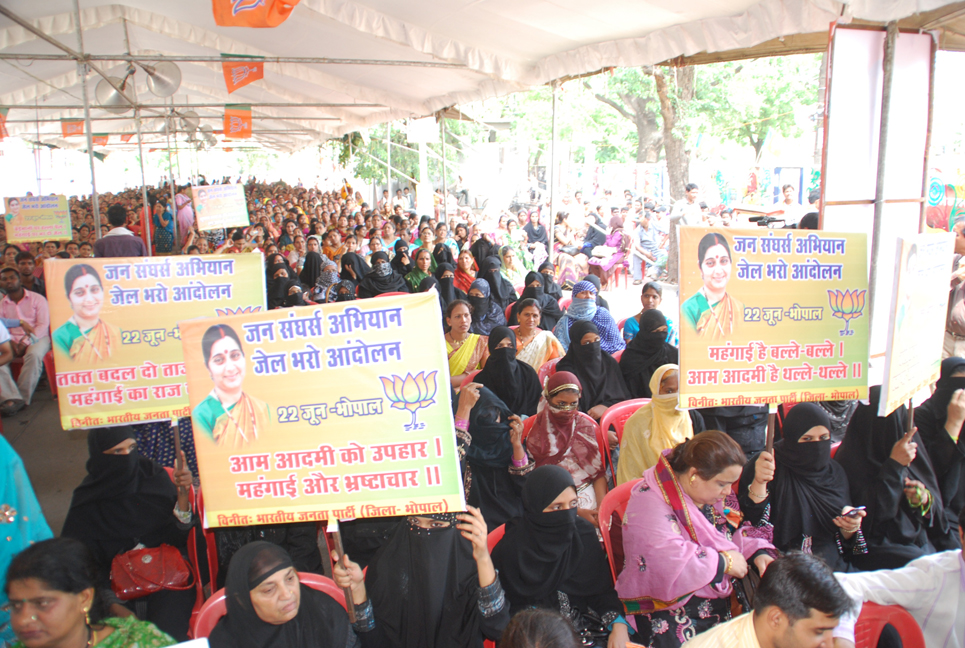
793,210
797,605
688,209
931,588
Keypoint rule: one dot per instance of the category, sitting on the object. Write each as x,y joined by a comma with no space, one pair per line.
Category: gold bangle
730,562
754,495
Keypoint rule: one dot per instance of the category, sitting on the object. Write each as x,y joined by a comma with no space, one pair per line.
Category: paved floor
55,458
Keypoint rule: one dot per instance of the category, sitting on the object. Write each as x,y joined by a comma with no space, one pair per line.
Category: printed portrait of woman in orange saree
711,311
229,416
85,337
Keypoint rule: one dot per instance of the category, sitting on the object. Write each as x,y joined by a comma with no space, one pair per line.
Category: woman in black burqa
599,373
808,495
647,352
515,383
940,421
125,500
551,558
426,584
881,463
491,484
269,608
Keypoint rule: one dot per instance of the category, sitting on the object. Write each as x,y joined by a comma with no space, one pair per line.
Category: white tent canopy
335,66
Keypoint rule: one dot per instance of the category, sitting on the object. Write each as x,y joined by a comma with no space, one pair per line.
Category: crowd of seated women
701,510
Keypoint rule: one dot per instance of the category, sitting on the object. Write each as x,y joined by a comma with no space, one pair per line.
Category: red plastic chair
495,536
51,372
612,509
618,414
618,355
834,448
621,323
565,302
215,608
391,294
547,370
509,311
193,563
873,619
209,541
469,378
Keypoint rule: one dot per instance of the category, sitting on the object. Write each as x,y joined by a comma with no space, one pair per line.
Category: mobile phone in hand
853,513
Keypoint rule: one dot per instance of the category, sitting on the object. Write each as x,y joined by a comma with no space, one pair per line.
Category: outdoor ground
55,459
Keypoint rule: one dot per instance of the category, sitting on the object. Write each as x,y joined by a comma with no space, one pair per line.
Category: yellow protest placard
220,206
916,326
318,413
37,218
114,327
769,316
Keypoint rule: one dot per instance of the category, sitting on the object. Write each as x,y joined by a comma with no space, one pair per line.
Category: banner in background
316,413
916,327
220,206
115,334
37,218
70,127
769,316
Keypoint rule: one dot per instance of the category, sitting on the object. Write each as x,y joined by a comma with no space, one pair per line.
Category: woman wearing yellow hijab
655,427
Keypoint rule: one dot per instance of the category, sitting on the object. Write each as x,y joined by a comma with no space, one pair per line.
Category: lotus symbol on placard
223,312
847,305
411,393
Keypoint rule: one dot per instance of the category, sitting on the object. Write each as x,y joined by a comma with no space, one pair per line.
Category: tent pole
148,216
145,207
445,179
167,133
888,68
388,153
549,227
95,203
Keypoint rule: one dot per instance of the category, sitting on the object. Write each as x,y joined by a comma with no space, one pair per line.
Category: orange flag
72,127
127,138
238,74
3,123
237,121
252,13
99,139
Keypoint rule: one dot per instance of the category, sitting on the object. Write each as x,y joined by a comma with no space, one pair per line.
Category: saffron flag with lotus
772,316
327,412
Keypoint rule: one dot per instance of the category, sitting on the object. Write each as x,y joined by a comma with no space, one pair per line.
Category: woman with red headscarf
563,436
465,271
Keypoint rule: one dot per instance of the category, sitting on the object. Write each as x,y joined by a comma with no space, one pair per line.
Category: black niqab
122,500
424,588
542,553
481,250
400,265
550,286
489,428
866,447
514,382
373,284
809,490
502,292
645,353
320,620
598,372
358,265
549,307
312,269
443,254
446,285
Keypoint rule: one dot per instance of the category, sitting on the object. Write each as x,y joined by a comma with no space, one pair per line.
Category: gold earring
87,616
692,478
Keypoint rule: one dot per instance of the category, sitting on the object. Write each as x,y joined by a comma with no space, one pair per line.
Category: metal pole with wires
82,71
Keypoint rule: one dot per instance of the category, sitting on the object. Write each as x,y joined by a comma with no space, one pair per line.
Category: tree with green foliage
749,101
